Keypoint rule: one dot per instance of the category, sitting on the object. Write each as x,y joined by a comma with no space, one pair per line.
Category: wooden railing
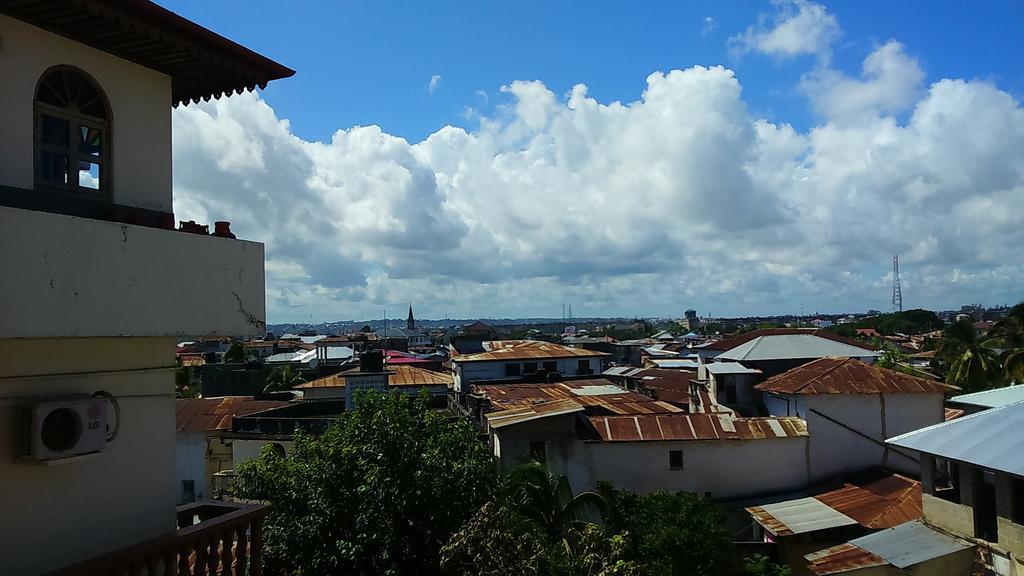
213,538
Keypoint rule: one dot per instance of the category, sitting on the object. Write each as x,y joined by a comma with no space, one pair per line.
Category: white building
516,359
715,455
98,286
200,447
851,408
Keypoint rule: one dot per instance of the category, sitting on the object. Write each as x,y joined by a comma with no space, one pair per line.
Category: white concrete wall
56,515
469,372
190,464
726,468
140,100
66,276
837,450
244,449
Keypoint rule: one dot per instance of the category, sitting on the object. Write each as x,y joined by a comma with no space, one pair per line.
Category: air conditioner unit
57,429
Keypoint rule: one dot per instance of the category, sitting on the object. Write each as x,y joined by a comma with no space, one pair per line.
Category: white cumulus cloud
797,27
681,197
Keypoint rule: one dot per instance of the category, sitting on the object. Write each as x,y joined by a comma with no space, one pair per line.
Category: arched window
72,134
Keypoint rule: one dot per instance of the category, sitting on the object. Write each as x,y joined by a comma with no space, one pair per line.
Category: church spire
411,322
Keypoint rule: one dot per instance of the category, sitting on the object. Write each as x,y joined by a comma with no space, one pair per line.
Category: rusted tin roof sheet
590,393
654,427
211,414
798,516
504,418
842,558
509,350
832,375
883,503
399,375
952,414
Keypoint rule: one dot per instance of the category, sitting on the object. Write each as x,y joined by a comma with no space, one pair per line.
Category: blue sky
628,158
364,63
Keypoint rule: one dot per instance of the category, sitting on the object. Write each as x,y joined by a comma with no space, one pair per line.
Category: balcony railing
213,538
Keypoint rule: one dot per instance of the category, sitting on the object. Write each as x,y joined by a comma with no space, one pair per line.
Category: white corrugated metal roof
910,543
992,398
807,515
622,371
730,368
990,439
793,346
597,390
673,363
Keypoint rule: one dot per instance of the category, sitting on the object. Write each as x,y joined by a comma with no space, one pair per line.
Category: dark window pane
89,175
675,459
53,167
511,369
54,130
90,140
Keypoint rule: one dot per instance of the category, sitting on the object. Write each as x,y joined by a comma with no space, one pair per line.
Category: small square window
551,366
675,459
511,369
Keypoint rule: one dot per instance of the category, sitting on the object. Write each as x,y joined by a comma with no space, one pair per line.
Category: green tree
548,499
235,354
282,378
497,541
670,534
971,361
761,565
379,493
183,387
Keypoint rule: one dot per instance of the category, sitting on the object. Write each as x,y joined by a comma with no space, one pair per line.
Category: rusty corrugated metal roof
842,558
210,414
654,427
952,414
882,503
507,350
399,375
798,516
504,418
590,393
832,375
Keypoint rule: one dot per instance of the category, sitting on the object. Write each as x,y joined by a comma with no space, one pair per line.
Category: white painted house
715,455
851,408
98,285
516,359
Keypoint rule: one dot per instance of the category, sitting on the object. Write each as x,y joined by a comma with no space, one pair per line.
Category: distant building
776,350
201,449
515,359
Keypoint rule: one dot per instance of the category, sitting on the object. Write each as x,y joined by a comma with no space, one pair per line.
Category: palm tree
548,499
972,361
1013,366
282,379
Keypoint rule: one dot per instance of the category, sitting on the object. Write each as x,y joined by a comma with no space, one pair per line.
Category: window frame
72,153
682,462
